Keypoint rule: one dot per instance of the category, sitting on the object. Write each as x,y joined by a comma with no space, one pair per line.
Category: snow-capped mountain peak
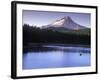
67,23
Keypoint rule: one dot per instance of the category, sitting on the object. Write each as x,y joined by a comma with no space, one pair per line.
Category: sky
40,18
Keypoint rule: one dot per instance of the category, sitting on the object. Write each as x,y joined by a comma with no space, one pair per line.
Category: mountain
65,23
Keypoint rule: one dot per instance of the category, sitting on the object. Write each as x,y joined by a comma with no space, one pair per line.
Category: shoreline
55,44
58,44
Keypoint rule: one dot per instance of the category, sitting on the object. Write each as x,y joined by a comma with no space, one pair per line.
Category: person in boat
80,54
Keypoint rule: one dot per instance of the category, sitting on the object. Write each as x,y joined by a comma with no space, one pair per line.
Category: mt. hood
65,23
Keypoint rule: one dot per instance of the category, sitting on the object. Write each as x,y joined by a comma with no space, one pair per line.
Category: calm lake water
56,57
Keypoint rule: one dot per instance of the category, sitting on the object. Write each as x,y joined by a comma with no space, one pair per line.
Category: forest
34,34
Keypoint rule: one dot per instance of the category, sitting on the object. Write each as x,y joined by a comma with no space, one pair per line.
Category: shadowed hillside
33,34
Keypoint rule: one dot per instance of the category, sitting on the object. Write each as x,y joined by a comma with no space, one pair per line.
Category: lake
54,56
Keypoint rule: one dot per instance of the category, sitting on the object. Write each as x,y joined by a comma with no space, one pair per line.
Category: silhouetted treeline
33,34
